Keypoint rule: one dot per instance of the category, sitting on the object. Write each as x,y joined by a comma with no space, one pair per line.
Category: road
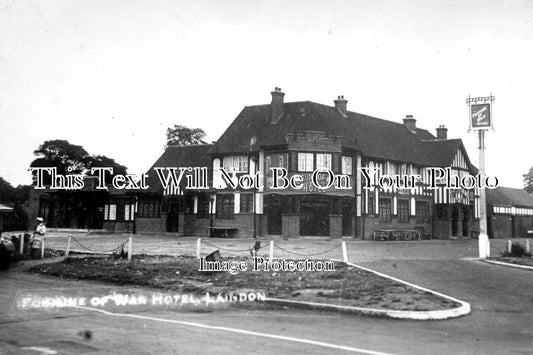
501,321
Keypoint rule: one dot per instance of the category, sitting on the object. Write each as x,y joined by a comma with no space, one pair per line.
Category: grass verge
524,260
347,285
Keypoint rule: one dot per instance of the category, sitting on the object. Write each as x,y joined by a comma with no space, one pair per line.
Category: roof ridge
190,145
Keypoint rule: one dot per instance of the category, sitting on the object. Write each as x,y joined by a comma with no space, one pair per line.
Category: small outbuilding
510,213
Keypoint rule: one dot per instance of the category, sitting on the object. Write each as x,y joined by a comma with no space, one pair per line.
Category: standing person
40,230
38,235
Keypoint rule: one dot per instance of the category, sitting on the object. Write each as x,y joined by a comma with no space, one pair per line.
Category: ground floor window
110,212
203,206
422,211
225,206
129,212
441,211
247,203
403,211
385,210
149,207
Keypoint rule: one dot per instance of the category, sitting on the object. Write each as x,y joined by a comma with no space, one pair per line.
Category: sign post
481,120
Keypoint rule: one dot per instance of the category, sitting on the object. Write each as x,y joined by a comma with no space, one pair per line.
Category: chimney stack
276,106
341,105
410,123
442,132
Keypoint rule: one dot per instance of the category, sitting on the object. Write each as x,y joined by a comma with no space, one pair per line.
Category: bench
397,234
220,232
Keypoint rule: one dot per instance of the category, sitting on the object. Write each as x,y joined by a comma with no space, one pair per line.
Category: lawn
347,285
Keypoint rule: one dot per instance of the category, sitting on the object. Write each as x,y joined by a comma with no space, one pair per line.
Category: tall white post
344,252
42,247
483,239
528,250
130,247
509,246
198,247
21,246
67,252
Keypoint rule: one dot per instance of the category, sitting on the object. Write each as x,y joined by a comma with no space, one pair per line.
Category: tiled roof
509,196
374,137
179,156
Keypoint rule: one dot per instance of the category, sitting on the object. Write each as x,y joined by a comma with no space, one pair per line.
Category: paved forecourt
358,251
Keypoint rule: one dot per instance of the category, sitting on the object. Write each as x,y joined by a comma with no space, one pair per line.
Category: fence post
21,246
271,252
509,243
42,247
198,247
344,252
528,250
130,247
67,252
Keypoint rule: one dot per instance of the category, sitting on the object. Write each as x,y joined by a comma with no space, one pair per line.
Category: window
149,207
305,161
403,211
277,160
422,211
371,208
225,206
203,206
247,203
129,212
346,166
281,161
384,209
323,161
110,212
392,169
268,163
237,163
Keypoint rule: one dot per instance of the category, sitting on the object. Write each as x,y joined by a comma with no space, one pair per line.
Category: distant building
89,208
510,213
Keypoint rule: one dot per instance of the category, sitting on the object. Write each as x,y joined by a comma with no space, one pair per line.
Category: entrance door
272,209
455,220
314,217
347,217
466,220
173,216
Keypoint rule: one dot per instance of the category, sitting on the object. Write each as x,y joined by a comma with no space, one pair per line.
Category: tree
16,197
528,181
181,135
69,158
62,155
101,161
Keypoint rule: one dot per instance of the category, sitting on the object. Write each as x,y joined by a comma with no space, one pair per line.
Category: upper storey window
235,163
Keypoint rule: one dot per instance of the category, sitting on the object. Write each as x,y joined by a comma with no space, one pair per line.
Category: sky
112,75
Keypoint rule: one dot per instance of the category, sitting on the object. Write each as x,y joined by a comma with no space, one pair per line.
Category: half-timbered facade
301,137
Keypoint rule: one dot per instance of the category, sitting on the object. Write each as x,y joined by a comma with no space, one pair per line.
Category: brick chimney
276,106
340,105
410,123
442,132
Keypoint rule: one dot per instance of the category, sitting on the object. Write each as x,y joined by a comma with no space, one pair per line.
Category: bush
517,250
